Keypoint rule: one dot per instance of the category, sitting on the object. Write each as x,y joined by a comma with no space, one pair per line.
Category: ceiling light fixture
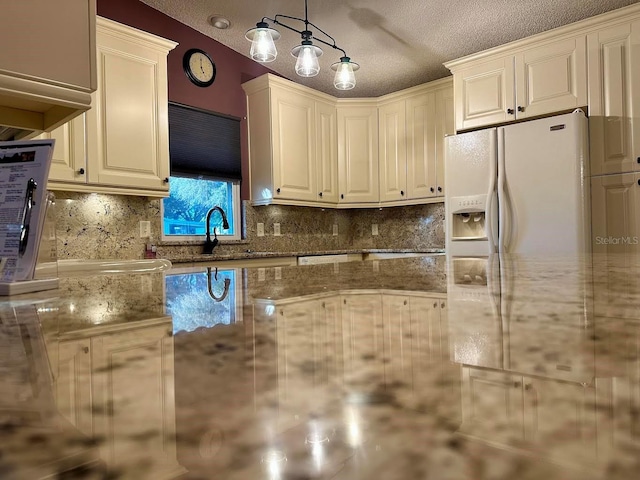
263,49
219,22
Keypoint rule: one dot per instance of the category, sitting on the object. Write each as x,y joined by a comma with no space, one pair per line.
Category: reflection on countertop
508,367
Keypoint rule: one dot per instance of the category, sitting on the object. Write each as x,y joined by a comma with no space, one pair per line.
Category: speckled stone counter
409,368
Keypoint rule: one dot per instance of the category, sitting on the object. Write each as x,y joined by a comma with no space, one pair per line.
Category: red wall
225,95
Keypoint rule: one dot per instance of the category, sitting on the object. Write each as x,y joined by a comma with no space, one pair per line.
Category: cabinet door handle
442,305
85,349
439,189
520,109
638,181
81,171
342,196
166,180
638,159
402,192
278,190
320,194
432,189
435,304
517,384
510,111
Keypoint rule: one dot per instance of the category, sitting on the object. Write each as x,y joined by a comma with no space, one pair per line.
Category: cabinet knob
517,384
432,189
402,192
520,109
527,386
439,189
510,111
638,159
278,190
85,349
320,194
405,302
166,180
81,171
342,196
435,304
638,181
442,305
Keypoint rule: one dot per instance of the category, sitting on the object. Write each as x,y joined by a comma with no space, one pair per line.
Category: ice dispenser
468,218
467,224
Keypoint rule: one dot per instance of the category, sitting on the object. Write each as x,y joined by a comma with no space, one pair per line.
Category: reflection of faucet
208,244
227,282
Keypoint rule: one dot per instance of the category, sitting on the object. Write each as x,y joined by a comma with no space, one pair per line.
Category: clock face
199,67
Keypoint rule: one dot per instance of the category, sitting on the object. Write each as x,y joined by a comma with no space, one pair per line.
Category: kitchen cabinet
520,81
411,142
614,213
127,145
511,409
69,161
614,98
363,343
292,143
47,77
118,385
358,177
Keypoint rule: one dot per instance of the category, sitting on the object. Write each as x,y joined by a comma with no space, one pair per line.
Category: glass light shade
345,78
307,64
263,48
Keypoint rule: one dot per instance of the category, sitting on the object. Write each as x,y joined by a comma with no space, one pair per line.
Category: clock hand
201,68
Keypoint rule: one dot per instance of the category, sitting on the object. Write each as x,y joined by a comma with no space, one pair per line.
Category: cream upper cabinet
69,161
484,93
125,148
47,63
392,149
411,143
614,98
292,143
615,207
520,82
358,153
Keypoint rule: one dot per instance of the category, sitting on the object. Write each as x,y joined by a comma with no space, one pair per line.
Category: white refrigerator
521,188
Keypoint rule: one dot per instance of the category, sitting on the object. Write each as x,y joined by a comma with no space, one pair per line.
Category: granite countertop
216,256
422,367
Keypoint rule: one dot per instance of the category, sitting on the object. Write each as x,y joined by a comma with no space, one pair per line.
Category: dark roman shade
203,144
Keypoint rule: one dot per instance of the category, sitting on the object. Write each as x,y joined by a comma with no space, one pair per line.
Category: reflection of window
191,306
184,213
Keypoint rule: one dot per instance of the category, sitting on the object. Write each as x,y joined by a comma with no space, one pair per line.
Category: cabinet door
614,213
492,404
614,99
127,128
363,347
293,143
484,93
392,150
422,180
134,405
445,125
73,383
397,330
556,409
326,152
358,154
551,78
69,154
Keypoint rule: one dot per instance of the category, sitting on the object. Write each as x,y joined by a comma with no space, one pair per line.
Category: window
184,213
204,149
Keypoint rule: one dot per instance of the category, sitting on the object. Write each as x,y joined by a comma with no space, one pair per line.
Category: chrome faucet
209,245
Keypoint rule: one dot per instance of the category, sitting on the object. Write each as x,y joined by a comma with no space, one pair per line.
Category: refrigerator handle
504,220
490,212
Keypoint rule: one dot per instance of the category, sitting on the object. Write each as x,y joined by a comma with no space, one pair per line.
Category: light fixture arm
307,35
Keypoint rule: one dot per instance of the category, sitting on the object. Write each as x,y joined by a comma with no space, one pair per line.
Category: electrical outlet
260,229
335,229
278,273
145,229
261,274
376,266
374,229
276,230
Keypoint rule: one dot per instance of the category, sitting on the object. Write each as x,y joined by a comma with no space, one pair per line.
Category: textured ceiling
398,44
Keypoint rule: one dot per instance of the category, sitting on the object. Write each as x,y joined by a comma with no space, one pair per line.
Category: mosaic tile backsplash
97,226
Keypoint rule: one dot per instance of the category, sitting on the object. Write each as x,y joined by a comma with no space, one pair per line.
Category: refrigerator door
471,201
543,186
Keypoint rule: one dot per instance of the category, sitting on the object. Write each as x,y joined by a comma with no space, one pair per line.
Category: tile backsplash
98,226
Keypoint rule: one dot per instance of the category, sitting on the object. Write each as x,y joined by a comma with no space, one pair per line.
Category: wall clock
199,67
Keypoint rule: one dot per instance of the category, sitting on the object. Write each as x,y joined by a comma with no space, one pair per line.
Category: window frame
236,216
